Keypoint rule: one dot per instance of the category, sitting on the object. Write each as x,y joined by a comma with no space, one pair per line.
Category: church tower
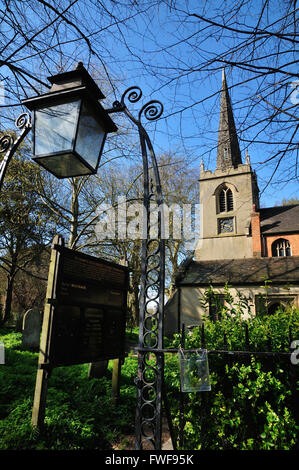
227,195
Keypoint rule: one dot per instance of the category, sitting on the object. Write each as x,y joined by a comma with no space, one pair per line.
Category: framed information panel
84,316
88,306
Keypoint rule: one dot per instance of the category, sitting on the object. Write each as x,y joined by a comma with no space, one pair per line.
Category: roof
282,219
282,270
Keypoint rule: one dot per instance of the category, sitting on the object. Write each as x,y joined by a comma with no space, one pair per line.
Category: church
254,250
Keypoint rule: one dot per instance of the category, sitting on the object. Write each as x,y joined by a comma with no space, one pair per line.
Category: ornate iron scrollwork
9,144
150,360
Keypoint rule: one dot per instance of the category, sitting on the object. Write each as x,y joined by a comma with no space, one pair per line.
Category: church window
281,247
273,308
270,305
226,200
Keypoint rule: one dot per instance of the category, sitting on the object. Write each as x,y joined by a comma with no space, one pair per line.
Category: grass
79,412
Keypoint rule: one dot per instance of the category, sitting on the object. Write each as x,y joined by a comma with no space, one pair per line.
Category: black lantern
70,125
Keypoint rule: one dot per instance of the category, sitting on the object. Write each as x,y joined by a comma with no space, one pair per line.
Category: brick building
240,242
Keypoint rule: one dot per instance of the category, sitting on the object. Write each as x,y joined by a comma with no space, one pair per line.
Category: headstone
97,369
32,325
2,353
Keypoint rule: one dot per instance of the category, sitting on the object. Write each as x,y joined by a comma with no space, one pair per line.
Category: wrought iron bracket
9,145
149,381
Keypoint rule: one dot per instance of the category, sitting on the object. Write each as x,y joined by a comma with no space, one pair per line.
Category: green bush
251,405
247,409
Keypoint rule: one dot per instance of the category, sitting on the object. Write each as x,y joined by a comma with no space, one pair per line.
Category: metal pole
149,379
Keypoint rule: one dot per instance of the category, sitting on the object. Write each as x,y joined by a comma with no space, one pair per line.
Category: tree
40,37
181,196
119,191
255,41
118,231
29,289
68,205
290,202
25,226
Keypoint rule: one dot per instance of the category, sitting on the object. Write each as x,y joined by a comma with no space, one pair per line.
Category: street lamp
70,125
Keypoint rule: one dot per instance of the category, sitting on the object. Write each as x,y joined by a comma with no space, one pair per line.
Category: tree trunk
75,215
135,304
8,300
173,258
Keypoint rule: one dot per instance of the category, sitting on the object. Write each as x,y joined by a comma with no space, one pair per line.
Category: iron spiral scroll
9,143
150,361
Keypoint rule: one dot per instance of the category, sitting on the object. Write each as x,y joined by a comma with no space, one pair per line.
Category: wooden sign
84,316
89,309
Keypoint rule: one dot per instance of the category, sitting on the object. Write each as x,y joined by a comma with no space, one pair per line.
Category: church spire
228,150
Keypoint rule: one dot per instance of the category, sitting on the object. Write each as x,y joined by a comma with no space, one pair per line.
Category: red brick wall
292,238
256,233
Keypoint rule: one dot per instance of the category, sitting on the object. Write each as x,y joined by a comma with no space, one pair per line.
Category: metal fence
228,357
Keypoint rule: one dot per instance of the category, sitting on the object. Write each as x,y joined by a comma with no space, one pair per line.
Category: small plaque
226,225
194,371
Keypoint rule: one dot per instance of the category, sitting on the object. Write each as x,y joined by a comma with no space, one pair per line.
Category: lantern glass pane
55,128
90,137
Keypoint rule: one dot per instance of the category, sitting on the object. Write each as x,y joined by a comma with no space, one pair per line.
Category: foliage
251,404
264,331
79,412
25,228
248,410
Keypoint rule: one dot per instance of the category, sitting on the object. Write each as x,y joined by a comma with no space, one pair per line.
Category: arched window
281,247
226,200
273,308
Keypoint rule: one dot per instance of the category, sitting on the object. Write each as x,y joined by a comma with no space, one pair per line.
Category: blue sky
148,51
189,124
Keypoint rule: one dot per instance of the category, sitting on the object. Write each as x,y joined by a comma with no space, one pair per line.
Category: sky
156,60
148,51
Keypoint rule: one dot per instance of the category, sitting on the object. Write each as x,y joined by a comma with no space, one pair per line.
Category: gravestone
32,325
97,369
2,353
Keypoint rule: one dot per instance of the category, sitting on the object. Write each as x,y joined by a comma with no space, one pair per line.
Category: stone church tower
227,195
240,243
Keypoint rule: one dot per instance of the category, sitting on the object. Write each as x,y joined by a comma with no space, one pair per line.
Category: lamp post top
68,86
77,77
